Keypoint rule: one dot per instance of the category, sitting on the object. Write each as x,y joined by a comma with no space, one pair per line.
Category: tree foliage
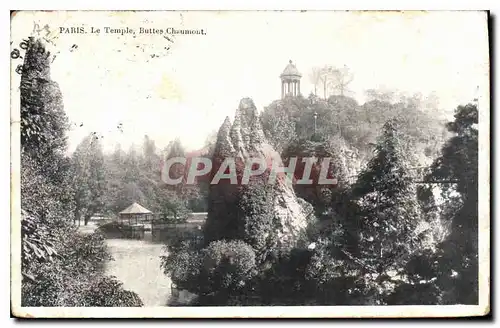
389,214
218,271
374,230
59,265
75,276
89,180
43,120
317,194
450,275
358,125
136,175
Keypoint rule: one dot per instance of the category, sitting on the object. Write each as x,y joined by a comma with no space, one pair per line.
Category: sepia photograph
221,164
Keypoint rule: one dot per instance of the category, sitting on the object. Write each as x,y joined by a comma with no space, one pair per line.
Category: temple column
282,90
298,87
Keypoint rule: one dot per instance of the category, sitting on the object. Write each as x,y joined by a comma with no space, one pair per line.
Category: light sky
187,92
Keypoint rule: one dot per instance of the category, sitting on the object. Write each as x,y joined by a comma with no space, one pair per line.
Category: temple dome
291,72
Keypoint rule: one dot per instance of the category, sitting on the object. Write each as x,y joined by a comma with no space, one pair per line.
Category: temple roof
290,71
135,209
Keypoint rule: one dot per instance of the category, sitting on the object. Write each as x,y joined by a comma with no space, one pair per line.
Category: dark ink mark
96,136
19,69
24,44
15,54
166,37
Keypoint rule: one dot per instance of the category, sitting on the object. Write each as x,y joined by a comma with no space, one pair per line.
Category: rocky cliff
244,139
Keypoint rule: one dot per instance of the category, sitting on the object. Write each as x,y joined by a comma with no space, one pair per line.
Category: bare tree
326,78
381,94
331,79
315,78
340,79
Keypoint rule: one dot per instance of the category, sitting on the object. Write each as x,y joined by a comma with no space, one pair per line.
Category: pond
137,264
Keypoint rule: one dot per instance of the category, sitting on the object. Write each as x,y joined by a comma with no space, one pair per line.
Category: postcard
250,164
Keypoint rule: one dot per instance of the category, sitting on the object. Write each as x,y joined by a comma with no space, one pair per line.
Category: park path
137,264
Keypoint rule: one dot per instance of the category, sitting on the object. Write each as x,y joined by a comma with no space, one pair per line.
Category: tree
115,172
210,143
89,178
279,124
171,206
255,222
389,214
177,170
317,194
46,194
326,74
222,270
75,277
380,94
43,120
58,263
340,80
450,275
132,171
315,78
151,160
334,277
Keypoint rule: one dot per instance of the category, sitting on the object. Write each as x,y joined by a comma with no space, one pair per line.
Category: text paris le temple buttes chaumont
128,30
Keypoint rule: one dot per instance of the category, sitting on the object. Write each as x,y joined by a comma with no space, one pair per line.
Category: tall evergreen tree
46,193
459,164
150,158
450,275
89,178
75,276
388,214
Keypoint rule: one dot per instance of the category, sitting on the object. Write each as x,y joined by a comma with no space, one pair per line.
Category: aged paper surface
250,164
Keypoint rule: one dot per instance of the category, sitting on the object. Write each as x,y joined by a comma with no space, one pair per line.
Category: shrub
107,291
74,275
221,269
228,265
183,265
257,218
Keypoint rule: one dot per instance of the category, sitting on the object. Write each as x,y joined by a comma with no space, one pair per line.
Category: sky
133,81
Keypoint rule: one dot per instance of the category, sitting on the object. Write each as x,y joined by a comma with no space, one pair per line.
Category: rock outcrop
242,140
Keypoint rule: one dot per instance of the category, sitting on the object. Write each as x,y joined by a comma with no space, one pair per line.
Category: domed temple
290,81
